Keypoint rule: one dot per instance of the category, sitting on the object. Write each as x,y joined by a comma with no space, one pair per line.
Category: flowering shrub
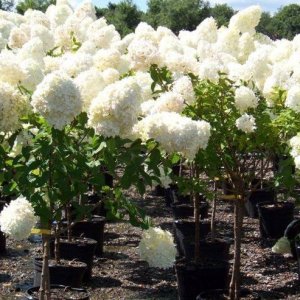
18,218
211,96
157,248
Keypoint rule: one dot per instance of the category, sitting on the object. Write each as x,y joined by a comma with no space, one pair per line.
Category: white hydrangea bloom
246,123
33,49
297,162
295,145
245,98
282,50
246,47
110,75
17,219
17,38
5,28
10,68
116,109
13,105
145,31
87,47
208,30
3,42
184,87
144,80
90,83
57,99
103,37
247,19
74,64
107,58
282,246
157,248
169,101
142,53
45,35
293,98
33,74
58,14
188,38
209,70
37,17
174,132
170,44
180,63
123,44
228,40
85,9
52,63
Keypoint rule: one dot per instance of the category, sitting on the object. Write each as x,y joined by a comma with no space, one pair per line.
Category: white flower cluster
246,123
295,151
17,219
282,246
57,99
12,106
157,248
174,132
245,98
116,109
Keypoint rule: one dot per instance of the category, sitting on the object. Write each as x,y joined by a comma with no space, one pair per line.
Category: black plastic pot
60,292
274,218
217,249
182,210
169,198
69,275
193,279
159,191
82,249
93,229
185,230
2,235
291,231
297,247
258,196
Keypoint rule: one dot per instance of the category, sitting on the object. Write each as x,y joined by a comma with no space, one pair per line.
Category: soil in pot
93,229
82,249
216,249
256,197
68,272
192,279
60,292
182,210
274,218
291,231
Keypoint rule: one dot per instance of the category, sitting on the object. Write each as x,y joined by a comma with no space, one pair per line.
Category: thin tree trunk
44,292
213,213
235,283
197,227
69,223
56,243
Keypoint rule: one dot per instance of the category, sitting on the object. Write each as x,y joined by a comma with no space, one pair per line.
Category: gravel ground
120,274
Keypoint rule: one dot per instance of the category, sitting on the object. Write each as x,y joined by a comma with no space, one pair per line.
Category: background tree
7,5
41,5
265,25
286,22
177,14
124,15
222,14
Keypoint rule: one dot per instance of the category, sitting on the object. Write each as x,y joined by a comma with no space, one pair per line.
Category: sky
267,5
